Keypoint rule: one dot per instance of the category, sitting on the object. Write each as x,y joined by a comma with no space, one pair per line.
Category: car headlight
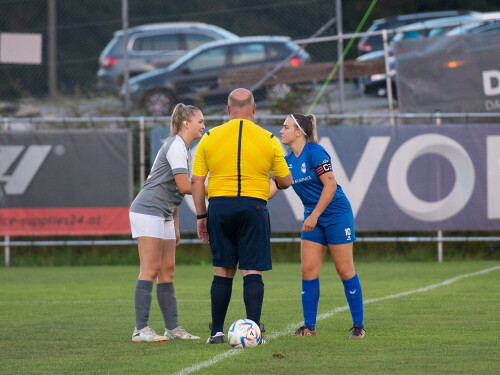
132,89
123,90
377,77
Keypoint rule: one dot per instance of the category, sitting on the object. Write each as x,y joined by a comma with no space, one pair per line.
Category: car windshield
462,29
411,34
439,31
182,60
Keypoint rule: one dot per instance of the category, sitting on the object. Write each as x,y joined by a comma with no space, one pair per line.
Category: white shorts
151,226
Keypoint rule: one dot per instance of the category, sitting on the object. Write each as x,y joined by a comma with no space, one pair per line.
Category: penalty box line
290,328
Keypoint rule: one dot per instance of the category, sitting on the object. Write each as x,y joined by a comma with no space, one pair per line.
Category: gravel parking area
355,102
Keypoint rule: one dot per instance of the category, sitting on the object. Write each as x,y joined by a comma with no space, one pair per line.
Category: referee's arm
280,170
284,182
198,193
200,171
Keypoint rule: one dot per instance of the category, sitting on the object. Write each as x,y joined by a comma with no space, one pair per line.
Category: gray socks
165,294
142,300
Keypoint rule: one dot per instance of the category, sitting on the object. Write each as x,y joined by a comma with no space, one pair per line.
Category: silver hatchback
152,47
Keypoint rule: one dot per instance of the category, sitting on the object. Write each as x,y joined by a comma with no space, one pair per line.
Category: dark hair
308,125
180,114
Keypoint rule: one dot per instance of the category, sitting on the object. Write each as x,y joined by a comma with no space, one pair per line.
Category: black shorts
240,232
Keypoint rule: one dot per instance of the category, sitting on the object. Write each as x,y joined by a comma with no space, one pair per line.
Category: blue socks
253,295
220,294
352,290
310,298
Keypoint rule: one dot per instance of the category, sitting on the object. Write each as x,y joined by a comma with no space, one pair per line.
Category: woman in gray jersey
154,218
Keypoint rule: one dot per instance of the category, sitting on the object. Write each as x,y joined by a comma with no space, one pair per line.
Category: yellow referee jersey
239,155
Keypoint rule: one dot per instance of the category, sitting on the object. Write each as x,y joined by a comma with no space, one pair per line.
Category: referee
238,156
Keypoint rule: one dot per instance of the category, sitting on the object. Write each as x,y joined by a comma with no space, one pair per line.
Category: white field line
291,327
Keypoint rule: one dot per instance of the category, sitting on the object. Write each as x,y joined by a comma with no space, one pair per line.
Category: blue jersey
305,170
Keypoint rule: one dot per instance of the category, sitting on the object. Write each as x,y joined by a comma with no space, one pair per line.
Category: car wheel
279,90
158,103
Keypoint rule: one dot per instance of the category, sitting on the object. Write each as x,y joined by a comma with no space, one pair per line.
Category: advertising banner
65,182
449,74
415,177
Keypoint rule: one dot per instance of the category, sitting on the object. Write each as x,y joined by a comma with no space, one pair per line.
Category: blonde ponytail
180,114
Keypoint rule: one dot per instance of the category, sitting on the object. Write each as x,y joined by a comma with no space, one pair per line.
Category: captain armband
323,168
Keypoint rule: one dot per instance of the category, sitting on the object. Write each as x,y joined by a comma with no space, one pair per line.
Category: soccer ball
244,333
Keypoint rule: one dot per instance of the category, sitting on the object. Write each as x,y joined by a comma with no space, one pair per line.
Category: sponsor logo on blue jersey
303,168
302,179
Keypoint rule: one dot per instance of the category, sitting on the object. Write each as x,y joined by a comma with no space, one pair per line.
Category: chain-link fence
75,33
84,28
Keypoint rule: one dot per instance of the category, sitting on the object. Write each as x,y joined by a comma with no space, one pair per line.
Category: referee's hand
201,226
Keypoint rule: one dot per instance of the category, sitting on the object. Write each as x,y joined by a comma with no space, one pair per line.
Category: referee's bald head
240,98
241,104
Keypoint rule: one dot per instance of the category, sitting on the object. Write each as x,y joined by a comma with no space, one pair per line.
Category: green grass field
65,320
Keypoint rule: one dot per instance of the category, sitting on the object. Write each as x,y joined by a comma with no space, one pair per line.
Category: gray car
195,75
152,47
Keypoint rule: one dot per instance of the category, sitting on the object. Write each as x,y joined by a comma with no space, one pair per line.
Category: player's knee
346,274
151,272
309,272
167,272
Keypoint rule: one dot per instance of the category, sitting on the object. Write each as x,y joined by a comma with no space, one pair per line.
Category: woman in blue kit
328,221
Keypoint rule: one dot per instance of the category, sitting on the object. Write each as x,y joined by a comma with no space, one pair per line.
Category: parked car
488,22
455,73
152,47
376,83
374,42
195,75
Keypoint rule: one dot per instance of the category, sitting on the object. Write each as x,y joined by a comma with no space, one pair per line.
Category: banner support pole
439,232
7,251
7,237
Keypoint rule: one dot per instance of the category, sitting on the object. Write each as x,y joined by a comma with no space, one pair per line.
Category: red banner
64,221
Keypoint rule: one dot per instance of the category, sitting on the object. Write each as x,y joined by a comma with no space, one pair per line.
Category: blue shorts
240,232
334,229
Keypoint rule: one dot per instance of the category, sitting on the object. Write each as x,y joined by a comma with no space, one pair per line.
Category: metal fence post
340,50
142,151
126,74
388,79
